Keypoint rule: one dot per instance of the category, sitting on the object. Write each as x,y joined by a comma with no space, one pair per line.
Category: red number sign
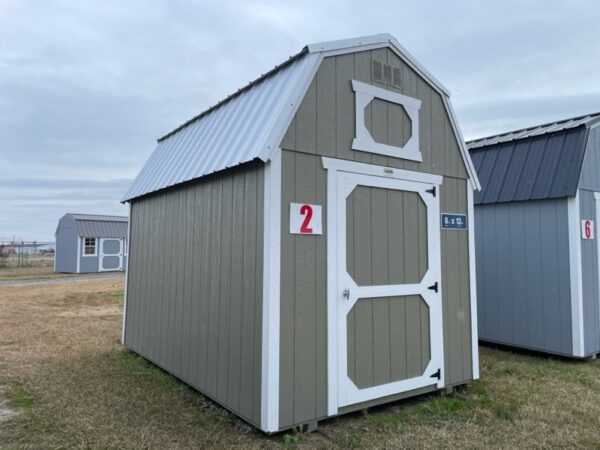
305,218
307,212
587,229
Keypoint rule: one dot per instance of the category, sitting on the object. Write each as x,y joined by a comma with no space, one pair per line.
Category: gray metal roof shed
536,220
241,282
90,243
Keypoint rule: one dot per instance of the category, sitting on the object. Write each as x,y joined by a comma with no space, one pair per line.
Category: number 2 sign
305,219
587,229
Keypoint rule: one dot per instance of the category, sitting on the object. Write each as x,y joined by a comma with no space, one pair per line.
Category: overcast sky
87,86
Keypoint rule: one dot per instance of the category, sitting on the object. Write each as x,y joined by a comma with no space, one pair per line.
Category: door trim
101,255
334,166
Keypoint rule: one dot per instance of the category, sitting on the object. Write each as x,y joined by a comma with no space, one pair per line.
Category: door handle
346,293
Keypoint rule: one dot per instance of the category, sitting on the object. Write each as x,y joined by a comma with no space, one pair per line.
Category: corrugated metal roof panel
102,229
536,167
234,132
537,130
96,225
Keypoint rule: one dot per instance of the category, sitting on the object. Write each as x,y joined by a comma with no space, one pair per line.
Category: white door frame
101,255
342,177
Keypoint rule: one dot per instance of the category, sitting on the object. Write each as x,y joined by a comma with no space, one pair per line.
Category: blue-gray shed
90,243
536,228
288,257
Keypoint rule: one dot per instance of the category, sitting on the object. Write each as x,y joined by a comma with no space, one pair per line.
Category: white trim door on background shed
110,254
384,298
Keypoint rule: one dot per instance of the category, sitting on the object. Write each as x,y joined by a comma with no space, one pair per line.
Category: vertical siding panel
260,195
196,319
321,296
409,88
248,293
208,209
215,271
305,297
326,108
381,307
362,72
438,134
188,281
289,139
344,71
223,348
287,300
237,294
306,121
425,121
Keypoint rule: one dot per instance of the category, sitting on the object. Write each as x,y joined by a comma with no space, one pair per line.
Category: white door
386,290
111,254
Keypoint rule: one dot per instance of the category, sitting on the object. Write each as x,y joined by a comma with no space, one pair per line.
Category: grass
62,367
7,273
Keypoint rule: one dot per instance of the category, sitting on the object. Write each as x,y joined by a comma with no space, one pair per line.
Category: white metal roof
250,124
537,130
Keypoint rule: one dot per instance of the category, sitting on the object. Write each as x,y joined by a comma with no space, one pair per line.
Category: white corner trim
473,283
79,252
575,275
269,420
464,151
363,140
597,217
344,165
126,277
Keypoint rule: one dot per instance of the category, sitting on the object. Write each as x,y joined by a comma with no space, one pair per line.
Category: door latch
346,293
434,287
437,374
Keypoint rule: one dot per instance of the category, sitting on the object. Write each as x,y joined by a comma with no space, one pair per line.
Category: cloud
87,87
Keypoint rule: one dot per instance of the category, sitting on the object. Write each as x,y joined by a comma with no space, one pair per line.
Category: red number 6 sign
587,229
305,218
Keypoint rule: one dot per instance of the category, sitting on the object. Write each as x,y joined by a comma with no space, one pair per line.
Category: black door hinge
437,374
431,191
434,287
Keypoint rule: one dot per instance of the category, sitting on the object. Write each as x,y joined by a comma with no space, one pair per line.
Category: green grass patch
117,296
20,398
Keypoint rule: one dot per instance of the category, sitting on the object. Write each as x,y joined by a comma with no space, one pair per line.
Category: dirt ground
66,382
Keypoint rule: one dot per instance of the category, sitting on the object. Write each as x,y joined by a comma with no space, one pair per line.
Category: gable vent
386,74
397,77
377,71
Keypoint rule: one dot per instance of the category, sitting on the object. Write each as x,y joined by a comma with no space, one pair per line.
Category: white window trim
576,275
473,283
363,141
269,421
335,358
95,247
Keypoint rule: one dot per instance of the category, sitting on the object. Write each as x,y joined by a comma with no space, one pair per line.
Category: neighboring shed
288,257
536,237
90,243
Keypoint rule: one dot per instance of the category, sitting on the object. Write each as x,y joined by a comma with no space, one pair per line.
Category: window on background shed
89,246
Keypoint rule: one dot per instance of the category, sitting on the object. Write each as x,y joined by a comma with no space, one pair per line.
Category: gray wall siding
66,246
589,275
194,294
88,263
523,278
303,346
590,171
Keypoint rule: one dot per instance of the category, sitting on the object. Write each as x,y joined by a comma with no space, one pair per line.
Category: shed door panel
389,314
111,254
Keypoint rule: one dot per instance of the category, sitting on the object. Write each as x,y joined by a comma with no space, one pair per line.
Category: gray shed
301,250
537,237
90,243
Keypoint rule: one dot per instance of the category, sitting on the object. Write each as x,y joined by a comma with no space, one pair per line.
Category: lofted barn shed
301,249
536,222
90,243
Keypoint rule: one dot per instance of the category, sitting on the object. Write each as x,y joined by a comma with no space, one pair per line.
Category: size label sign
587,229
454,221
305,219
